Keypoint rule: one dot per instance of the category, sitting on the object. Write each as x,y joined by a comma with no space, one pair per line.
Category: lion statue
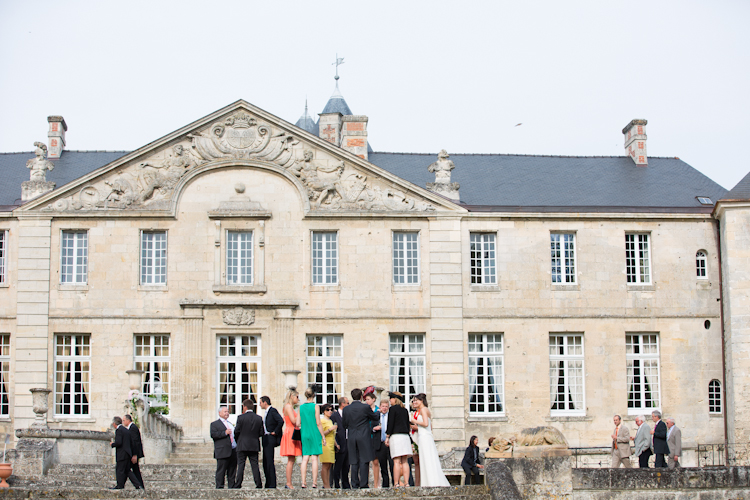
533,436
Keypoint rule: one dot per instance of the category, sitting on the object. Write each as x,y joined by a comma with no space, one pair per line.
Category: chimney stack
354,134
329,127
56,136
635,141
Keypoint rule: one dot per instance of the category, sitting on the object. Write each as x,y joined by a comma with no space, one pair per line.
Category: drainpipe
723,344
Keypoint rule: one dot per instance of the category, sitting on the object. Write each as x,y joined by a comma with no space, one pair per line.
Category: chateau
514,290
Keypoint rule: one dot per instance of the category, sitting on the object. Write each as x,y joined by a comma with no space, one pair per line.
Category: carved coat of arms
238,316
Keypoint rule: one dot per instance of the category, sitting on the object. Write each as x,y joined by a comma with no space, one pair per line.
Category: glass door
238,359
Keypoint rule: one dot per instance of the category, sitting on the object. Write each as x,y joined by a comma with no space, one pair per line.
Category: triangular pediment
330,179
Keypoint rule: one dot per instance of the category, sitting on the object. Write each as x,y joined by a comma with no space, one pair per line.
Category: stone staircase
189,474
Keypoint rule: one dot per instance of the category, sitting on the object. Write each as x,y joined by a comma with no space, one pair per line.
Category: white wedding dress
430,470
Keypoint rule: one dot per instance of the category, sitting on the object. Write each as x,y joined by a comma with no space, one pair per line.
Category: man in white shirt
222,432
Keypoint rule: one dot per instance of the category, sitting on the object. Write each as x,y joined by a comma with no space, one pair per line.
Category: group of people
664,441
128,450
346,441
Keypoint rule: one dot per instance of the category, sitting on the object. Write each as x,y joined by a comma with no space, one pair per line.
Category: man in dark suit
247,433
222,432
357,417
273,428
123,455
136,447
341,466
383,451
660,439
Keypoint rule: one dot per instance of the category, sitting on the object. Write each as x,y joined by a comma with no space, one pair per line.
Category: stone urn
290,377
5,471
135,379
39,399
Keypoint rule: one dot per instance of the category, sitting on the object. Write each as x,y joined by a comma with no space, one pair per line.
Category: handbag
297,435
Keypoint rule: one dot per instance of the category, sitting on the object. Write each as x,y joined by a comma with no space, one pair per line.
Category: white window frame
407,361
638,269
701,265
563,258
79,391
483,258
405,257
245,356
4,257
714,397
4,374
74,259
572,365
325,258
239,257
149,266
151,353
325,355
636,394
485,352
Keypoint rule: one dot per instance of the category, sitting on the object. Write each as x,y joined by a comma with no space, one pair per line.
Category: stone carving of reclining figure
534,436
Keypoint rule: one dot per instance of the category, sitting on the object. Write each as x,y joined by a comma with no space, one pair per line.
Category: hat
396,395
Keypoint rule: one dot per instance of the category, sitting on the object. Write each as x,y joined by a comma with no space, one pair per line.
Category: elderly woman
398,440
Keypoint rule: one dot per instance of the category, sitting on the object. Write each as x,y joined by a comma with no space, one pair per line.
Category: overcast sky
430,75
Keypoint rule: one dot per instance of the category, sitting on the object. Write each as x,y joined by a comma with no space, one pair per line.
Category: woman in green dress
313,438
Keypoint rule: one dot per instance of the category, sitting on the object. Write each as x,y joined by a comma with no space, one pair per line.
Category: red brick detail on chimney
640,145
362,156
355,126
640,129
355,142
329,134
55,126
641,159
53,143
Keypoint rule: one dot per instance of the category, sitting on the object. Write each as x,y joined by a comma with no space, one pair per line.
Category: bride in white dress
431,471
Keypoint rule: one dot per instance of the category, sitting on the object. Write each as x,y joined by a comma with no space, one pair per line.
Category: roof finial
339,62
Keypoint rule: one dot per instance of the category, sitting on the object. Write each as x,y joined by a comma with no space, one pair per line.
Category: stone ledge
240,289
64,433
686,478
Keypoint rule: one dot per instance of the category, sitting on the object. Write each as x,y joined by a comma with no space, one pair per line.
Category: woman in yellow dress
329,452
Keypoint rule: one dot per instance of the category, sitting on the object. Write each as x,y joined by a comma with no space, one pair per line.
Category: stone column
189,374
282,353
32,336
446,339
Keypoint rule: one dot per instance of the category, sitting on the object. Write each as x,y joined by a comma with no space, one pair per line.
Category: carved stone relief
331,185
442,170
238,316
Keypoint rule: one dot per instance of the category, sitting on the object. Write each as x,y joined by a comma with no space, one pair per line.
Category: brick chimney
329,127
354,134
635,141
56,136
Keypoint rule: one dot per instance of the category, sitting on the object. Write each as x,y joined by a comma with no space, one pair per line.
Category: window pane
325,367
72,357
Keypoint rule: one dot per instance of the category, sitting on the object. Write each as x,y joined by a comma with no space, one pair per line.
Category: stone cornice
254,303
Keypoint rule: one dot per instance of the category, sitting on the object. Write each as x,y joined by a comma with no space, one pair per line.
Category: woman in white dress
431,471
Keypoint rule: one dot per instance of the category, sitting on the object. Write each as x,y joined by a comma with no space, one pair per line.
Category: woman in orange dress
289,447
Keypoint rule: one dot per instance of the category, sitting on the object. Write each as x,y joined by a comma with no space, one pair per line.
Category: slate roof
741,191
70,166
500,182
337,104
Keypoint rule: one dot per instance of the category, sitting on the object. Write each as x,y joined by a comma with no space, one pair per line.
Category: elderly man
642,442
225,449
620,444
660,439
674,443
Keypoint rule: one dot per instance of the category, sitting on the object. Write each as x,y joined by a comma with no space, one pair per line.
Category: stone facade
243,169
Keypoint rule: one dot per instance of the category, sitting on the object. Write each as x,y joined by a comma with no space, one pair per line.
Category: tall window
239,258
238,362
4,373
562,247
486,373
405,258
152,356
482,256
407,364
325,359
153,257
325,261
3,255
72,372
642,355
74,257
637,258
714,396
700,265
566,384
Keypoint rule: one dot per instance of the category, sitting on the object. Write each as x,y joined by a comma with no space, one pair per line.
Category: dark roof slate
561,181
741,191
337,105
70,166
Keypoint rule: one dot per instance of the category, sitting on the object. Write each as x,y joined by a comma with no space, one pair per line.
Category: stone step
86,493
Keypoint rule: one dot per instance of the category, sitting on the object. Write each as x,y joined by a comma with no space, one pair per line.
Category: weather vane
339,62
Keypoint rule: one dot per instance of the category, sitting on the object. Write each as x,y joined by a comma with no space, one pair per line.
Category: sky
430,75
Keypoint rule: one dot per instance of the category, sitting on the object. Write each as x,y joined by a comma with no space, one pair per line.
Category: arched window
700,265
714,396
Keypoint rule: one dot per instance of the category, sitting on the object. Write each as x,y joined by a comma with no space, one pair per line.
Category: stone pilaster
282,350
32,332
189,366
447,336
